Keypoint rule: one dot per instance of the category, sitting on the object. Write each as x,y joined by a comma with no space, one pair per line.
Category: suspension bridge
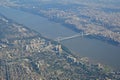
70,37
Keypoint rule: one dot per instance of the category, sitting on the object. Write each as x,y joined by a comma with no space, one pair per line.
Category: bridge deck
69,37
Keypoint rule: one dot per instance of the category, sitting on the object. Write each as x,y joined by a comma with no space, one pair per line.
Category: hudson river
96,50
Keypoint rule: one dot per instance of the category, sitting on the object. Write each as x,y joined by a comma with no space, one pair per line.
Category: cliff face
26,55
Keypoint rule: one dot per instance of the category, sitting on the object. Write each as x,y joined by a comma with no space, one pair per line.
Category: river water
94,49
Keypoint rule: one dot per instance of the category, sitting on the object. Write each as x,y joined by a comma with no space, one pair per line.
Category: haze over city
59,40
